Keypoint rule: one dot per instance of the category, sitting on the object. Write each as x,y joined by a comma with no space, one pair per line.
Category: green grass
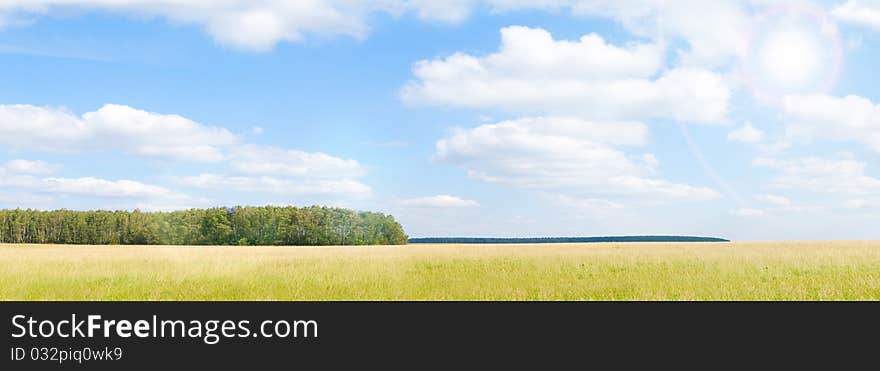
662,271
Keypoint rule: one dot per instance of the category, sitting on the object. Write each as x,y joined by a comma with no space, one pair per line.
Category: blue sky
750,120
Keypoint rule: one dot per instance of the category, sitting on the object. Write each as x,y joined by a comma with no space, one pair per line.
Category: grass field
664,271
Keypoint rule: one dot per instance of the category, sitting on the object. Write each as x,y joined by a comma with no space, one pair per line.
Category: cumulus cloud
821,116
843,177
594,206
112,127
713,31
827,185
86,186
857,204
748,212
268,160
255,25
254,168
28,179
105,188
534,74
862,12
277,171
28,167
746,134
450,11
439,201
565,156
774,199
277,185
533,53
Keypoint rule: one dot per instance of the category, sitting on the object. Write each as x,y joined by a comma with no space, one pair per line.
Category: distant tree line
469,240
310,226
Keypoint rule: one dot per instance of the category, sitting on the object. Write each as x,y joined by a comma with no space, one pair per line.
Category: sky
744,119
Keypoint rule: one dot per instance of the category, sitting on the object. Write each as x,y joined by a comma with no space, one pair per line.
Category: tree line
479,240
269,225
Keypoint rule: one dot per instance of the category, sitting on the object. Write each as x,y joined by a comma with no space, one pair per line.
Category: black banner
174,335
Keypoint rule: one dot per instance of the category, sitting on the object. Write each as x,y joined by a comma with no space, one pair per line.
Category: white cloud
105,188
774,199
821,116
534,74
748,212
256,25
828,186
274,161
861,12
277,171
746,134
439,201
595,206
775,147
277,185
450,11
526,130
565,156
714,32
266,169
533,53
28,167
842,177
87,186
860,204
112,127
137,132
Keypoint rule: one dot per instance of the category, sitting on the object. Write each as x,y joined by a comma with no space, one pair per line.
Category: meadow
619,271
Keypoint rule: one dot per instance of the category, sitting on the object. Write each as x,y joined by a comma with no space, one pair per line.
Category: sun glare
791,59
792,51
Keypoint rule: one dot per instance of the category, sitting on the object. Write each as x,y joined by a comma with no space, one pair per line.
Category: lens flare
792,50
790,59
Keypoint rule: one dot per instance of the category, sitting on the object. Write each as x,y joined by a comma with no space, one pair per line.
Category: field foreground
628,271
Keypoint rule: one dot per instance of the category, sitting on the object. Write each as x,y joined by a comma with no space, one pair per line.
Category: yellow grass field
628,271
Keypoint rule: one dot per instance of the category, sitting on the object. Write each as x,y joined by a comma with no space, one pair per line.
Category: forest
245,226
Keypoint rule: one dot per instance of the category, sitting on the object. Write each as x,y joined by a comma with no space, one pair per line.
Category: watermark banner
240,335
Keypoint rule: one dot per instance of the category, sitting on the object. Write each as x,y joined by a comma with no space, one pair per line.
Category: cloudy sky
750,119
